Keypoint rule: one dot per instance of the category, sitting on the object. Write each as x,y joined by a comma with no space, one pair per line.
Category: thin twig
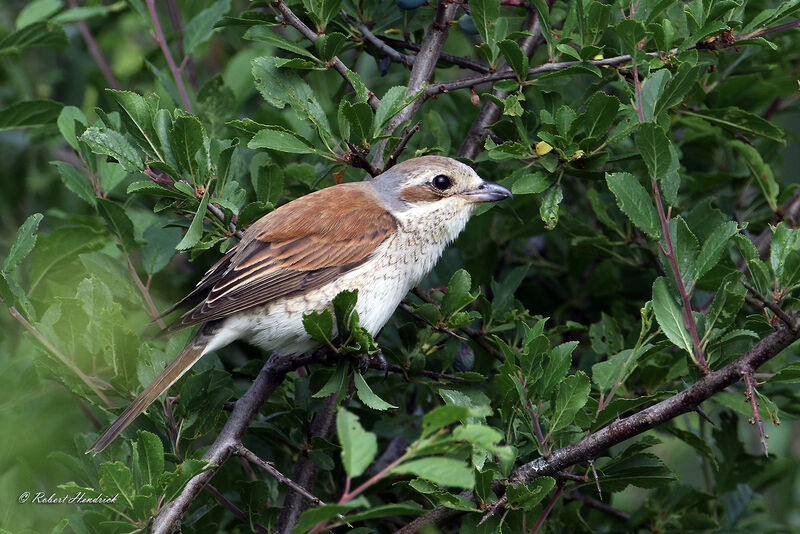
358,158
173,68
235,509
459,61
407,135
559,492
241,450
782,315
370,37
424,65
152,310
291,19
751,397
95,51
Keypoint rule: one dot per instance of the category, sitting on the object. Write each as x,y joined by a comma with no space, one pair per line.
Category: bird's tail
171,373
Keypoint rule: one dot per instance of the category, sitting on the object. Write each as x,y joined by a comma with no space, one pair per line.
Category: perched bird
379,236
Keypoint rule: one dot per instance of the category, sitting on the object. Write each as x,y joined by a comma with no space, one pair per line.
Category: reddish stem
162,42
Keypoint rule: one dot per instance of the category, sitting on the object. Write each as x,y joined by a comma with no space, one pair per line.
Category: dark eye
441,182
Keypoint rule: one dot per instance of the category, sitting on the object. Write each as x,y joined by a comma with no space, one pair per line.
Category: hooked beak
488,192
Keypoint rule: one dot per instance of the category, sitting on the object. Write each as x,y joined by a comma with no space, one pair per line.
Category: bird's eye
441,182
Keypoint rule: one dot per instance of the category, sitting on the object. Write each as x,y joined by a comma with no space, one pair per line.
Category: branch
407,135
466,83
95,51
305,470
782,315
173,68
291,19
460,61
370,37
270,468
424,65
491,112
271,376
751,397
235,510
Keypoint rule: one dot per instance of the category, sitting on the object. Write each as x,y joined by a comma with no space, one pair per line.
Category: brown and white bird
379,236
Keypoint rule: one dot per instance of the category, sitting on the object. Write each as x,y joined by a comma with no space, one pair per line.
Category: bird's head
435,184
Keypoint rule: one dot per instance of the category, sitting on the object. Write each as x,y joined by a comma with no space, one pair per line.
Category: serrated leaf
201,26
195,231
268,35
714,246
634,202
150,452
527,496
368,397
740,121
680,84
67,118
571,397
439,470
159,248
30,113
535,182
359,447
107,142
280,140
187,139
669,316
118,222
319,325
76,182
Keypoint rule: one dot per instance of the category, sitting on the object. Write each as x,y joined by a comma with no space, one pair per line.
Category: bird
379,236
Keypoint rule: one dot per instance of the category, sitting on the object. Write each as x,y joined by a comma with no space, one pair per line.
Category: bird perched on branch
379,236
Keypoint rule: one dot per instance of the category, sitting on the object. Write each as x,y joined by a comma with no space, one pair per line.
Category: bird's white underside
398,264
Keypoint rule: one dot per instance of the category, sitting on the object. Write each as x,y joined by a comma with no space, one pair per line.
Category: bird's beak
487,192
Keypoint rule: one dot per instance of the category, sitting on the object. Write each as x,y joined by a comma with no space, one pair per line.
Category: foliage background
562,249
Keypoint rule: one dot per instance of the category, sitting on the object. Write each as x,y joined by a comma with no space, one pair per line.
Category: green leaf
54,250
548,210
269,183
119,223
319,325
740,121
555,367
137,114
601,111
657,153
359,447
457,295
42,33
485,14
336,383
631,32
535,182
680,84
634,202
368,397
613,371
439,470
109,142
268,35
329,44
195,231
761,171
643,470
571,397
685,248
67,118
515,57
76,182
160,247
527,496
24,242
785,254
652,88
187,139
276,138
669,316
391,104
30,113
199,29
359,116
37,10
441,416
714,246
150,452
279,88
115,477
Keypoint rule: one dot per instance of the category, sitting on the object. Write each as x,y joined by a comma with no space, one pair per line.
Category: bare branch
782,315
291,19
173,68
305,470
95,51
424,65
271,376
407,135
750,396
270,468
460,61
371,38
235,510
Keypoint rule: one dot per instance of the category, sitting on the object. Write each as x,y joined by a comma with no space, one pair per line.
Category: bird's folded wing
298,247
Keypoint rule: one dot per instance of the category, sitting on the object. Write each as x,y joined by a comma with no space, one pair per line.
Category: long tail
171,373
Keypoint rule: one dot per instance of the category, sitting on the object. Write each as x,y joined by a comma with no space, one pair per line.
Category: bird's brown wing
296,248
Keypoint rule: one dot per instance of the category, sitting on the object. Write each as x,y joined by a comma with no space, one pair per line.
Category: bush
603,353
